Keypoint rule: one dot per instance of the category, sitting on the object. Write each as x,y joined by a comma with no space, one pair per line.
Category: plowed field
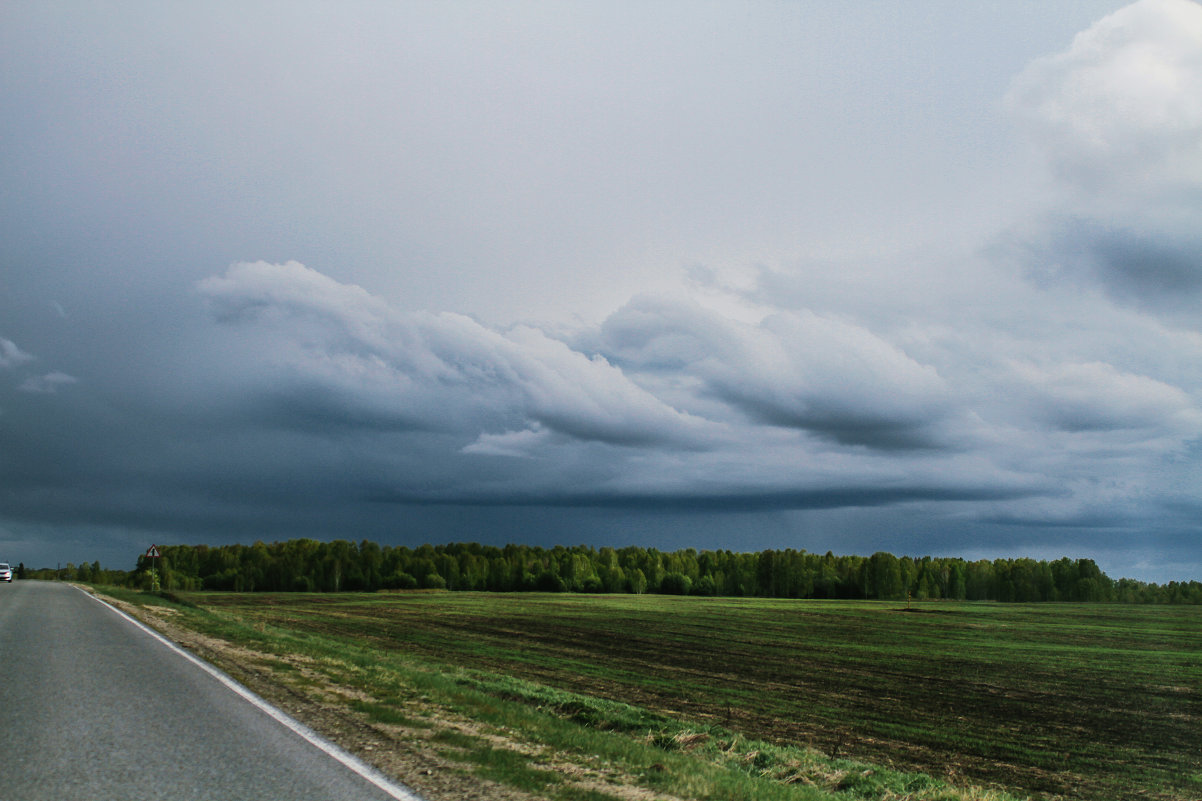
1084,701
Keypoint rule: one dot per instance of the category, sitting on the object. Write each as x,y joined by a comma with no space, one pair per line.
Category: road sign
153,553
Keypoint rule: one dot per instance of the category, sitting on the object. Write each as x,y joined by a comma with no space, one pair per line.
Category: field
1081,701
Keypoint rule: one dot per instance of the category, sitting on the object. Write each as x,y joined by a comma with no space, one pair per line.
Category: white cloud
523,443
1119,117
795,369
11,355
1121,106
1096,397
443,371
253,289
47,384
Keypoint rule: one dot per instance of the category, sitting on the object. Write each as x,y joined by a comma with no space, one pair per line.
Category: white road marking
350,761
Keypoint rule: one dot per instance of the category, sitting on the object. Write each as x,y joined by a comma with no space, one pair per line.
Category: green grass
512,768
388,713
1093,702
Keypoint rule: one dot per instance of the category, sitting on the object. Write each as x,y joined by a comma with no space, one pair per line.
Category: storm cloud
742,277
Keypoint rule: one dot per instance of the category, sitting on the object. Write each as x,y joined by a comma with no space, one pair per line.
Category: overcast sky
923,277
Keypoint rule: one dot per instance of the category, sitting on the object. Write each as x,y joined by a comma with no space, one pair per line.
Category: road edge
346,759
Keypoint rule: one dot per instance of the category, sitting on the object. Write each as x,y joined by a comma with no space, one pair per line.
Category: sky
920,277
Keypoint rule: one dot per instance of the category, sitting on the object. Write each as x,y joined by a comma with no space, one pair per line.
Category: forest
306,565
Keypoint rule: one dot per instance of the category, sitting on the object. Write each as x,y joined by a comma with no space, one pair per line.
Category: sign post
152,553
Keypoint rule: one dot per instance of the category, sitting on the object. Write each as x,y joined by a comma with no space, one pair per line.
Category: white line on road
350,761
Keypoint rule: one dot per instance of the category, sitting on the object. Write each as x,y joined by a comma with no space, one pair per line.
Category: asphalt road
94,707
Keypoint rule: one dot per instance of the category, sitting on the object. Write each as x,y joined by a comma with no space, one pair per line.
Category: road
94,707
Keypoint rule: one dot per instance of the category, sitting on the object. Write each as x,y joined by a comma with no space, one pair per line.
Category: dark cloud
1155,270
725,500
1147,266
846,427
314,405
303,404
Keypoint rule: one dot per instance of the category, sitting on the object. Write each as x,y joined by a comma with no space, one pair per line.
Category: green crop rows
1084,701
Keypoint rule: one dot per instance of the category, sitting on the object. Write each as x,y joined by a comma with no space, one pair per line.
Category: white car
6,572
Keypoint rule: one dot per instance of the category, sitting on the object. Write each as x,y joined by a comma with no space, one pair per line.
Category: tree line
85,571
306,565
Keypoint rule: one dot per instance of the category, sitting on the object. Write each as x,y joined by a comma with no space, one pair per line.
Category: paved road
92,707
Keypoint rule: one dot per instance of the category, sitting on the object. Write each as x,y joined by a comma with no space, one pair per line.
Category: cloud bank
578,278
667,402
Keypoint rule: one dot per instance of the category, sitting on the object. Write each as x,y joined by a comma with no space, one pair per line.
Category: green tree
885,579
676,583
549,581
956,586
765,574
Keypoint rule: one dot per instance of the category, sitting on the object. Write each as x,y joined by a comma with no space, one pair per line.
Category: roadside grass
737,699
389,713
